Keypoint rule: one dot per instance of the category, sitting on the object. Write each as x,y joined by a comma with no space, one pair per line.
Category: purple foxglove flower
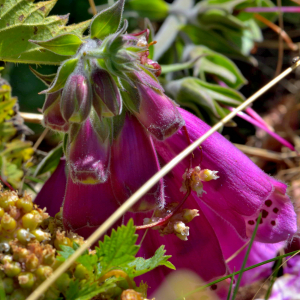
158,113
88,150
86,207
53,191
133,162
106,95
52,114
76,98
227,211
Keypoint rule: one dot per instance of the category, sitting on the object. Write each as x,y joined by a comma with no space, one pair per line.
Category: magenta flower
227,211
122,129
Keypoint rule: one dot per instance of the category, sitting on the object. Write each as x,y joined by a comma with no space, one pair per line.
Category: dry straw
150,183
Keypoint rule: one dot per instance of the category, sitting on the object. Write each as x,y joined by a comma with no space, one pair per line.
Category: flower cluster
121,128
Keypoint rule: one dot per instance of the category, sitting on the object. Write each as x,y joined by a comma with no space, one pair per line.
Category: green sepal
50,162
65,44
65,143
107,21
62,75
47,79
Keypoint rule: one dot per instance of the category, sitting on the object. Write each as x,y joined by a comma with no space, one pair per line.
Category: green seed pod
43,272
40,235
25,204
7,199
30,221
24,236
6,259
12,269
52,294
32,263
26,280
81,272
8,223
63,282
1,212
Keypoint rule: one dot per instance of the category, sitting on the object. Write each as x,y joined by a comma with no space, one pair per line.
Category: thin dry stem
236,253
149,184
32,118
280,40
285,261
93,7
278,30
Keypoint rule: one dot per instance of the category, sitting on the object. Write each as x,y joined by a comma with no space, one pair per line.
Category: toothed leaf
21,21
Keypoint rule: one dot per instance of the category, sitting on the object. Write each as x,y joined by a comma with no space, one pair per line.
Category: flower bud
106,95
88,153
52,114
76,98
158,113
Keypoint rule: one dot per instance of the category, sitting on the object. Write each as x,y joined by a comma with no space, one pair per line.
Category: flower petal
76,98
88,152
52,193
87,206
133,162
158,113
52,114
242,189
106,91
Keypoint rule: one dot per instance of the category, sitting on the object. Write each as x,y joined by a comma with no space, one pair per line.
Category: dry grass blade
149,184
32,118
93,7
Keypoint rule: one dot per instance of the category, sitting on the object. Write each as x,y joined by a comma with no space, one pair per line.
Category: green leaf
178,67
62,75
209,38
88,290
50,162
107,21
47,79
119,248
152,9
215,63
66,44
21,21
141,266
168,31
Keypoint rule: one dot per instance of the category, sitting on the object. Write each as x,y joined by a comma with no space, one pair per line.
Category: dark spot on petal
275,210
21,18
264,213
35,30
251,222
261,220
273,223
268,203
214,287
42,8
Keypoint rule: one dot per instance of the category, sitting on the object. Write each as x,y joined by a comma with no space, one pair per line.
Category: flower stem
288,9
93,7
278,30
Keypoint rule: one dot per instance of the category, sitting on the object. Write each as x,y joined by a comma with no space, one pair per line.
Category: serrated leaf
141,266
47,79
119,248
50,162
107,21
66,44
21,21
86,291
62,75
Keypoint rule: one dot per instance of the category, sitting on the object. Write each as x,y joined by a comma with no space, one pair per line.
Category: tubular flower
123,128
221,220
